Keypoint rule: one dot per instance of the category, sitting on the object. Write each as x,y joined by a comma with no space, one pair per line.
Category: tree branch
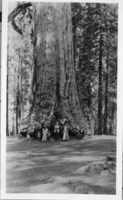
15,12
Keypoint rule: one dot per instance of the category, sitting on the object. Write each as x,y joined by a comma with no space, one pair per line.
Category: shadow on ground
59,167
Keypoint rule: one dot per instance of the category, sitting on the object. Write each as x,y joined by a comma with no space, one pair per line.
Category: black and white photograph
61,98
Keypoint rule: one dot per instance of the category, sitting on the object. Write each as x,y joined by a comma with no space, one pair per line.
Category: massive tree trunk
54,92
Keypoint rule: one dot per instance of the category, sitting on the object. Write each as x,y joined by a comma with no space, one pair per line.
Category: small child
28,137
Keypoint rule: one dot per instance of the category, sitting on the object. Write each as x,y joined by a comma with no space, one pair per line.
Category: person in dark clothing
57,130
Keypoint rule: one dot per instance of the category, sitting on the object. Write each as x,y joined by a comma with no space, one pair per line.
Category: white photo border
118,195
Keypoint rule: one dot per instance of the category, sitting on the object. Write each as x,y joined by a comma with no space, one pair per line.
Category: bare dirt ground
75,166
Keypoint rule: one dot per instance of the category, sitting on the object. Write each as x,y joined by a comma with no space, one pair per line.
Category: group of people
65,131
44,134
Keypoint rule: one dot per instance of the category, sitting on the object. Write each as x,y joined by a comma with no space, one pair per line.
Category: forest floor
74,166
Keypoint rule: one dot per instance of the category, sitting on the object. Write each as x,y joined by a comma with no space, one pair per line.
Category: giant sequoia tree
53,89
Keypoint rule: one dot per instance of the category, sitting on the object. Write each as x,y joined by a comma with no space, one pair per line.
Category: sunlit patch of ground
57,167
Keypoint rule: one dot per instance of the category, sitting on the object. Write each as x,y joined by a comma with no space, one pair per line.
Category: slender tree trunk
7,124
18,103
54,92
112,118
19,95
17,114
20,88
7,98
13,132
100,89
20,73
106,98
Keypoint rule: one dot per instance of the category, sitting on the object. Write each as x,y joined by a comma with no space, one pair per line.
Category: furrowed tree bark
54,90
74,38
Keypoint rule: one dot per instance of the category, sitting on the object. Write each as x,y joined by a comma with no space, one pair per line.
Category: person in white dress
65,133
45,134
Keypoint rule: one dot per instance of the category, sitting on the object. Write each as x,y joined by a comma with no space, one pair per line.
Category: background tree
20,61
96,40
